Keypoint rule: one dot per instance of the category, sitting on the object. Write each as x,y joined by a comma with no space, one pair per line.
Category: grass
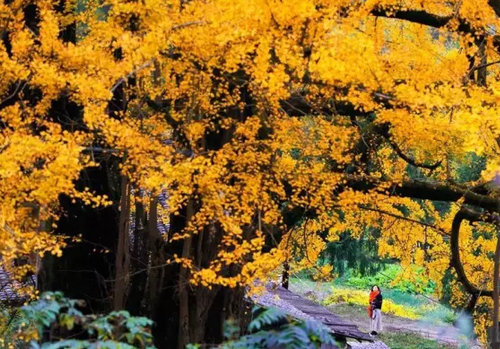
401,340
350,310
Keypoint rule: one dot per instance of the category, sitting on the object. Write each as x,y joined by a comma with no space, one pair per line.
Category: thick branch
495,5
456,262
436,21
421,17
415,16
424,190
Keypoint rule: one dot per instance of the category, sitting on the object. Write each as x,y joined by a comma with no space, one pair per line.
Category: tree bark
156,271
494,340
286,275
123,249
184,338
495,344
140,259
424,190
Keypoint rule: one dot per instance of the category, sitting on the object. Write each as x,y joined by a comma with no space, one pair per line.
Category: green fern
117,330
267,317
273,328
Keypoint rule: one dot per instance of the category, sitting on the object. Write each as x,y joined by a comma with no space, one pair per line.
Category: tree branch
483,66
456,263
415,16
422,190
495,5
19,88
440,231
123,79
420,17
408,159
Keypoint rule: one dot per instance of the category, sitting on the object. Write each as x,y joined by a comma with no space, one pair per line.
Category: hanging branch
384,131
408,159
456,263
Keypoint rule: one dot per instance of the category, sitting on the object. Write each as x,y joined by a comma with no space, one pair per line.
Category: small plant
55,322
273,328
10,320
450,317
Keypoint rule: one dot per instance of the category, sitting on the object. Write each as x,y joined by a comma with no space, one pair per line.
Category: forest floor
398,332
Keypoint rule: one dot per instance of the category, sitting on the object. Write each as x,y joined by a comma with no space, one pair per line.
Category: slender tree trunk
494,336
155,245
140,260
469,309
483,59
286,275
201,302
122,253
496,276
183,287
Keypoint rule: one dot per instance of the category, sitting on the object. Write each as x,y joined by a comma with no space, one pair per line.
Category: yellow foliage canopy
340,110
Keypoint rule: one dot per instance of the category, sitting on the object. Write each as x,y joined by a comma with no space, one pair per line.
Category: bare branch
19,88
188,24
101,150
135,71
483,66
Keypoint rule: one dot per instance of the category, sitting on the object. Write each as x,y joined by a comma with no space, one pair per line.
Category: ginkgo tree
267,123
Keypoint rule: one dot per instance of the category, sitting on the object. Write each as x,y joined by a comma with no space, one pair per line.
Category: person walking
375,310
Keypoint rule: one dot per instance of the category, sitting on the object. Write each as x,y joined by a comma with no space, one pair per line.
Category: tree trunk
494,336
157,265
140,260
122,263
286,275
183,287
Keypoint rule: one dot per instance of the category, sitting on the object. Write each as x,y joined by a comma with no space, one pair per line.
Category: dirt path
442,333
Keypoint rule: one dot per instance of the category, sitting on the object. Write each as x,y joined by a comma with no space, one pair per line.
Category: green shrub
450,317
389,278
273,328
11,319
51,321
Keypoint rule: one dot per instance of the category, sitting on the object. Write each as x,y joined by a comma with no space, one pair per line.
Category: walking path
442,333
